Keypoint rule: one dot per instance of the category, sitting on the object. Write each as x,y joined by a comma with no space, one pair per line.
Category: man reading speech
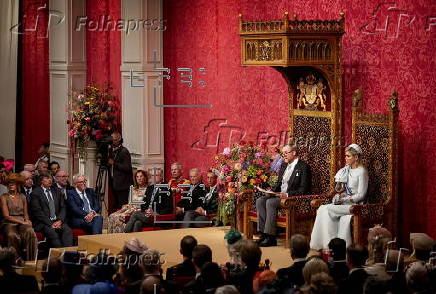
294,179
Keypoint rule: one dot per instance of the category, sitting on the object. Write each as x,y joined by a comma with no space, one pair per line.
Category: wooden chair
377,135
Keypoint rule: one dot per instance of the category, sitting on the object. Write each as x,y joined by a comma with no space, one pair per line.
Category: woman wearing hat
334,220
16,225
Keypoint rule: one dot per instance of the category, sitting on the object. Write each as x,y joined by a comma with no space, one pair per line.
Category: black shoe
262,238
269,241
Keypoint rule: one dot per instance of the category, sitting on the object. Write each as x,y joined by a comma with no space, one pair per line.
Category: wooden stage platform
168,243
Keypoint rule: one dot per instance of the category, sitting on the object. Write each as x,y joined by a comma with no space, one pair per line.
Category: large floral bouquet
241,168
94,115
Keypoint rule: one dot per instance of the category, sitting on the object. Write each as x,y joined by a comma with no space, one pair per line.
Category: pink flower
226,151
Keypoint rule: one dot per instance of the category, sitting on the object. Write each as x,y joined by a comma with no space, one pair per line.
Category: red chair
77,233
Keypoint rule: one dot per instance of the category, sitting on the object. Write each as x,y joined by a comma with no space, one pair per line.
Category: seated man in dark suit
84,207
294,179
191,199
61,182
186,268
299,250
48,212
157,200
206,205
356,257
28,184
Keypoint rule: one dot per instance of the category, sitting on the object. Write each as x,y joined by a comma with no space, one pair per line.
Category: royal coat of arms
311,94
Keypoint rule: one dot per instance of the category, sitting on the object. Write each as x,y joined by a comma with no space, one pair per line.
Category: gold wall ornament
393,100
311,94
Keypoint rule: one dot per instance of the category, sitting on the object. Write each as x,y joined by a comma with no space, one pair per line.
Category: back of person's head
227,289
152,285
299,246
187,245
151,261
338,248
250,254
313,266
263,279
201,254
357,255
378,238
101,268
321,283
418,276
52,272
7,258
394,261
373,285
211,275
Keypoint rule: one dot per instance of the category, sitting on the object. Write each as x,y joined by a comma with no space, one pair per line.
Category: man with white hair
61,182
192,199
28,184
84,207
207,204
30,168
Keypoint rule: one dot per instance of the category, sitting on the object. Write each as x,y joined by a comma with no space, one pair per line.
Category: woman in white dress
334,220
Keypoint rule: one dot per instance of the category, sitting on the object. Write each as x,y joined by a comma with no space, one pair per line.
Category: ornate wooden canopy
291,42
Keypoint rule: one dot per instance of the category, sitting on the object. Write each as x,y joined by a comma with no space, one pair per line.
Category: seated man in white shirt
84,207
294,179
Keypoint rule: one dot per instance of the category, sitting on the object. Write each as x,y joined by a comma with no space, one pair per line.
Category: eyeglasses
81,182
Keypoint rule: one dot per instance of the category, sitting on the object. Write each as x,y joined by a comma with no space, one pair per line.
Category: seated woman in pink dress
117,220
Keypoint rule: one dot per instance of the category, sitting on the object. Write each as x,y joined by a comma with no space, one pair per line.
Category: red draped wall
33,127
103,47
204,33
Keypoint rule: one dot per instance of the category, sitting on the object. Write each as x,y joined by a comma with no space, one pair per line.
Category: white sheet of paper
271,193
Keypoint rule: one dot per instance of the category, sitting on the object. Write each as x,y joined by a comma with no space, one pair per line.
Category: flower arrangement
94,115
241,168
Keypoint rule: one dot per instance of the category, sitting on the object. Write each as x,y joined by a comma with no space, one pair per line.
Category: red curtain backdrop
254,101
103,50
34,111
103,46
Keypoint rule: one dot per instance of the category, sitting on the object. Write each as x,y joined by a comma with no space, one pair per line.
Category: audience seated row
138,269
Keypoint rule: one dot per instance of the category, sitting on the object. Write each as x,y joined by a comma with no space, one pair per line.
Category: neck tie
51,205
86,206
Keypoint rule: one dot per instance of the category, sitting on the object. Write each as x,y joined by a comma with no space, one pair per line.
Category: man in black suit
356,257
157,200
28,184
84,207
201,255
207,204
299,250
120,171
186,268
294,179
48,212
191,199
61,182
